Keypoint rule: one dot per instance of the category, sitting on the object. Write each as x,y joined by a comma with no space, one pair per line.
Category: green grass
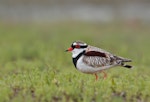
35,68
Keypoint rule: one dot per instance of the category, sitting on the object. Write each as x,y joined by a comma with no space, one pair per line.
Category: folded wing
98,59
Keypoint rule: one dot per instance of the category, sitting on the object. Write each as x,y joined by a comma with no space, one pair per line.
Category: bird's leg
105,74
96,76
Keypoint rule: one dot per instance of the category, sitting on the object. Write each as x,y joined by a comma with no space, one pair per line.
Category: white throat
76,52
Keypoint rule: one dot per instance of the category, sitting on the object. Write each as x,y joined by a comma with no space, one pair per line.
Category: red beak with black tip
69,49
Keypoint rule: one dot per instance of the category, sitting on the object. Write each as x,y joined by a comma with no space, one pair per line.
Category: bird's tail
122,61
127,66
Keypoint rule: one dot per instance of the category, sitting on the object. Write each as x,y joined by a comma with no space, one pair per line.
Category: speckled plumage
92,60
97,61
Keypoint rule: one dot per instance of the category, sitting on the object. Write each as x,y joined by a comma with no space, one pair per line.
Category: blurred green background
34,35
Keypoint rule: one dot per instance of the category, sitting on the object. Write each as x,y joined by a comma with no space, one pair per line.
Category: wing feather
97,61
97,57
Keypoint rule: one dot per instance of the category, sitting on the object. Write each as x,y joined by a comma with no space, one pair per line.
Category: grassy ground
35,68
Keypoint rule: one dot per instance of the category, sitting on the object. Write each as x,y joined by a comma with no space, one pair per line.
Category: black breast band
76,58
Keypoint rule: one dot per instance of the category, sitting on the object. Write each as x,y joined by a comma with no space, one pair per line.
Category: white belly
81,66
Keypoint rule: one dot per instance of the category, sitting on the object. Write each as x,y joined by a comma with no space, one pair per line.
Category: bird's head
76,48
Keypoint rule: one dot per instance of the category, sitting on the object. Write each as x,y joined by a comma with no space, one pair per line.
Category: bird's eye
77,46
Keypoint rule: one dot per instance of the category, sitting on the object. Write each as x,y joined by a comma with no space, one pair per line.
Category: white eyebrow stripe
83,44
76,43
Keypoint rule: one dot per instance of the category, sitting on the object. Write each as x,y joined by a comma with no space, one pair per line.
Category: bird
93,60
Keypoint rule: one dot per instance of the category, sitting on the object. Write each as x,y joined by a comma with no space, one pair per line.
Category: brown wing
98,59
95,53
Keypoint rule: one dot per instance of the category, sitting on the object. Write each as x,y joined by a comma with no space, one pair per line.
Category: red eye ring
77,46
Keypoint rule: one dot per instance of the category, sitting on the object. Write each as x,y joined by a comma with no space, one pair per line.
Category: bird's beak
69,49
